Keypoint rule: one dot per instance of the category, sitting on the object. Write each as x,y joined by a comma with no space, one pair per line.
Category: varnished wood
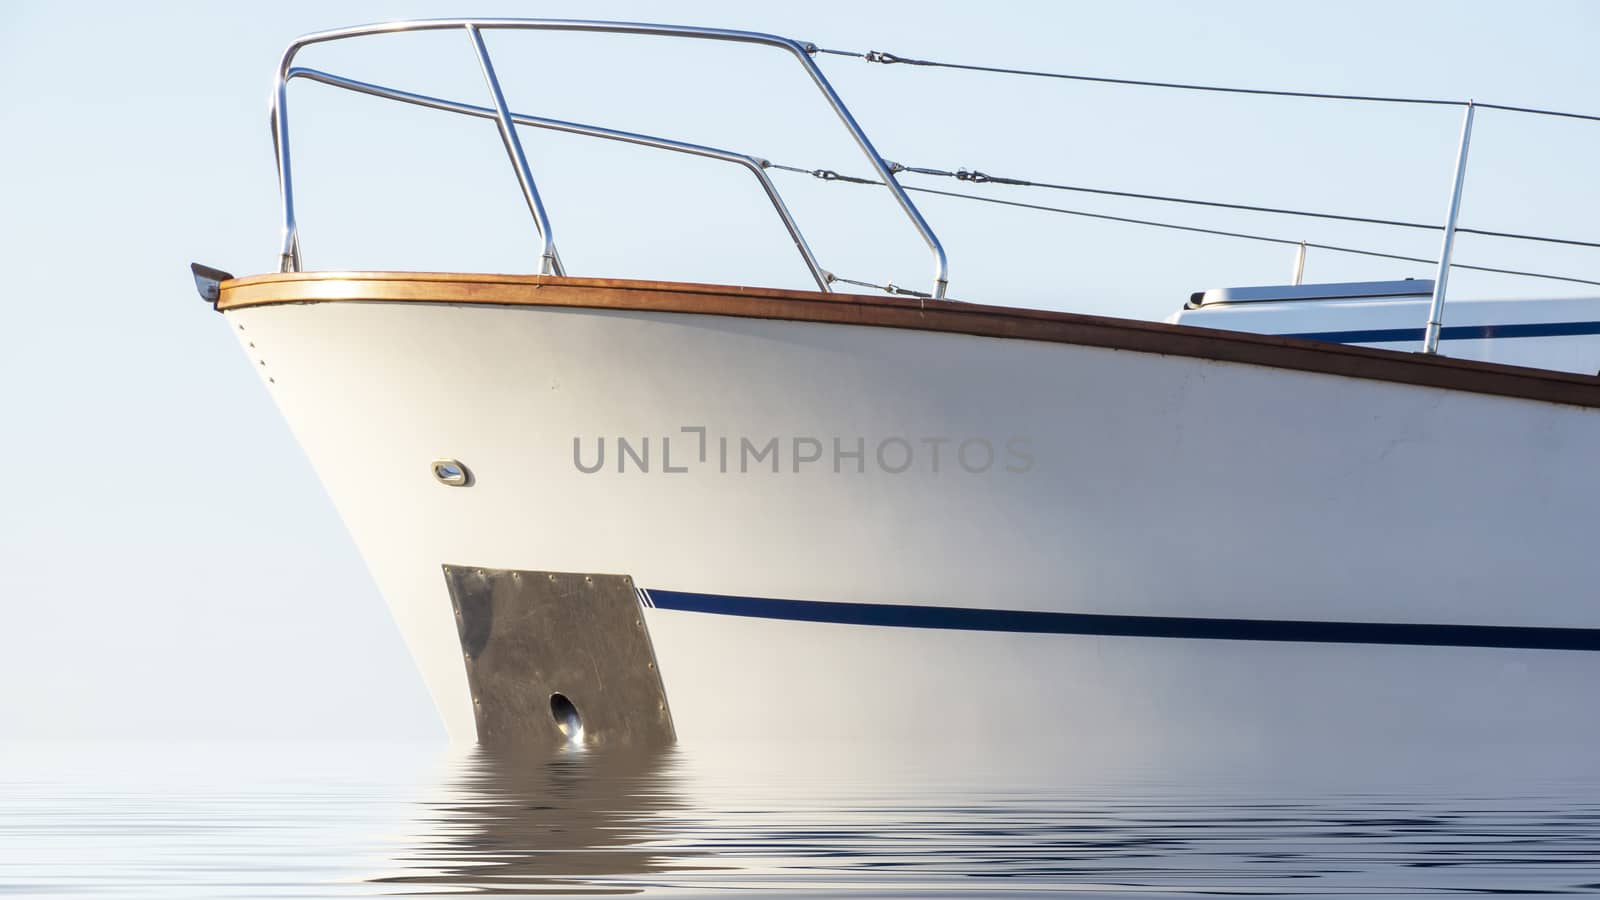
930,315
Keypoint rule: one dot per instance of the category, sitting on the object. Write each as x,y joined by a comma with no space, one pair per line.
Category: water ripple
365,820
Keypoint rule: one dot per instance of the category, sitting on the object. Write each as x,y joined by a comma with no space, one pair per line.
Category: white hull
1154,486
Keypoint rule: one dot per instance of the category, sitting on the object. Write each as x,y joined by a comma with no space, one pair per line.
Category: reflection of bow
507,823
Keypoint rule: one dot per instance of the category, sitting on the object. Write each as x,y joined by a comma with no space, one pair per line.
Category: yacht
620,512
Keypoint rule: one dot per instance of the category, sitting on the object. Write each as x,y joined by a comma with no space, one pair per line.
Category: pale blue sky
169,565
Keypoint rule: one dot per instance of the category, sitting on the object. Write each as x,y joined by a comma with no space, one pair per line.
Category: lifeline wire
824,174
1261,237
878,56
977,177
1250,237
830,175
890,288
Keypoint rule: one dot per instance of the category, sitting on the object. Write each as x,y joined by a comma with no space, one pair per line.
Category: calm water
295,821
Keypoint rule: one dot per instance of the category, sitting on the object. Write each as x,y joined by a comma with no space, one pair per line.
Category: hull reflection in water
170,822
815,822
506,822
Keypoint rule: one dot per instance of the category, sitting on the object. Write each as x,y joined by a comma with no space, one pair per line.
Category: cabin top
1562,334
1345,290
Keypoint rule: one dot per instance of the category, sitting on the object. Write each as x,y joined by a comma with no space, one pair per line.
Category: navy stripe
1452,333
969,619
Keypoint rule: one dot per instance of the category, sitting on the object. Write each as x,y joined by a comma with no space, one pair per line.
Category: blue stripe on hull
970,619
1452,333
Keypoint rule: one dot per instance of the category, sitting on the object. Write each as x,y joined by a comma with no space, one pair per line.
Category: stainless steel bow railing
500,112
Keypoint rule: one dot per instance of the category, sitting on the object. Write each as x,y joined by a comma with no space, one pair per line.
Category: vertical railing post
549,263
941,263
1441,278
289,237
1300,263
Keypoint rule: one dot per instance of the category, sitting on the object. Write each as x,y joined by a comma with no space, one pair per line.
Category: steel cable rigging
974,176
879,56
891,170
832,176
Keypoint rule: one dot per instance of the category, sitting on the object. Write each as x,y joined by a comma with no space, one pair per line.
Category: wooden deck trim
931,315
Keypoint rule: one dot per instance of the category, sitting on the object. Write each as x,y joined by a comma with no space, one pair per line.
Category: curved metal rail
756,167
289,253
